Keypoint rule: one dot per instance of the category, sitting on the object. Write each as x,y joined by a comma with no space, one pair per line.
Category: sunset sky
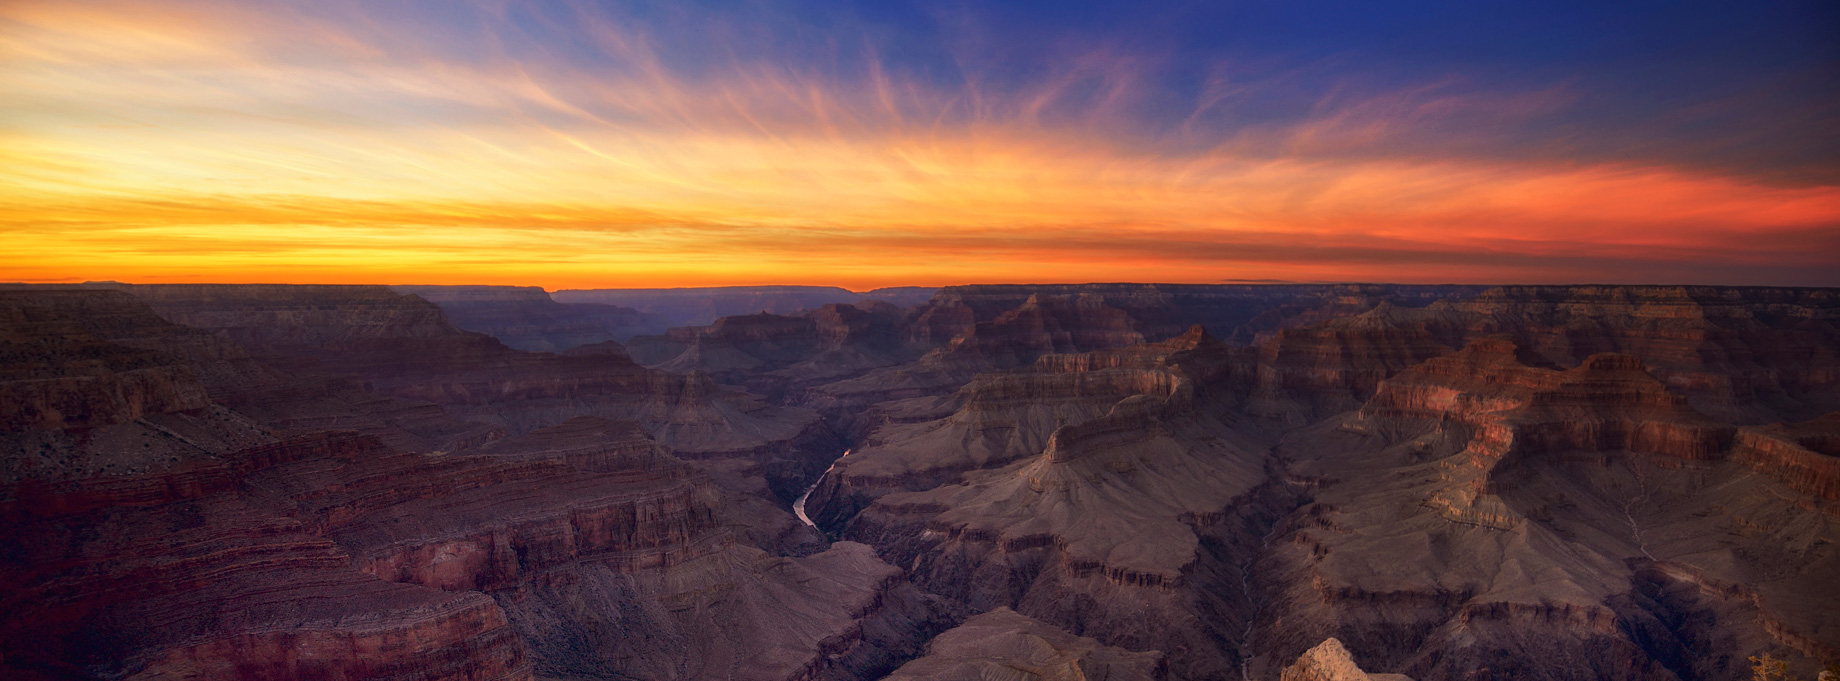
637,144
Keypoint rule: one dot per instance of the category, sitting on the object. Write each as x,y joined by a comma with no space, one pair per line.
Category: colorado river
798,507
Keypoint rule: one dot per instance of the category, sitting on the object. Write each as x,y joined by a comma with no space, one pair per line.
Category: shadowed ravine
798,505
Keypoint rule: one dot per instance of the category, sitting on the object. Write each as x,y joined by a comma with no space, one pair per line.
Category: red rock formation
1804,456
335,557
1740,354
1312,371
1533,491
181,574
1563,496
1004,644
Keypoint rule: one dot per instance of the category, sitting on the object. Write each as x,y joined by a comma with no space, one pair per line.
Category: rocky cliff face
1452,482
1804,456
589,527
774,354
59,375
1561,396
1097,501
1329,661
403,347
984,328
1004,644
1039,324
1595,485
298,400
179,574
526,318
74,405
1743,355
999,418
332,556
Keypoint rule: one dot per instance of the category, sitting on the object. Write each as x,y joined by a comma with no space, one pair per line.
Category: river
798,507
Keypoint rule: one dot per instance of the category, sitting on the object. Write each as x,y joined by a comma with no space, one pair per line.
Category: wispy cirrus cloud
563,145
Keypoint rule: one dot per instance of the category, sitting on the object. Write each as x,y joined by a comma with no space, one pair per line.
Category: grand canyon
919,340
1099,481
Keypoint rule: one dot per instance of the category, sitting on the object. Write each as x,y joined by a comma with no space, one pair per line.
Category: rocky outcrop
181,574
299,400
1003,417
984,328
1742,355
1038,324
403,347
777,355
57,374
1804,456
1114,518
333,556
587,527
75,406
1329,661
757,342
1004,644
1513,508
526,318
1309,372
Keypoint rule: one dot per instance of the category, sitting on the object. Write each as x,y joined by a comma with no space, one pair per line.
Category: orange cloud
186,146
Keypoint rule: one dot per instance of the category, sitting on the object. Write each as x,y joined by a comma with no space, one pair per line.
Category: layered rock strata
774,353
1001,417
1004,644
1329,661
1113,528
335,557
404,347
290,401
181,575
1519,482
588,528
1482,513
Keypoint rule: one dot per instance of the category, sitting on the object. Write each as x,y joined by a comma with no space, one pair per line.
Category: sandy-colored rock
1329,661
1007,645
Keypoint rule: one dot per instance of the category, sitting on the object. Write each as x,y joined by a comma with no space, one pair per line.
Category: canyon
1120,481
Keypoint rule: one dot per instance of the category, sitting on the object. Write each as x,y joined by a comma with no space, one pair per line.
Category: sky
866,144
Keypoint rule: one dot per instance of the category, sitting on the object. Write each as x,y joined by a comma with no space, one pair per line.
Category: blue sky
687,143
